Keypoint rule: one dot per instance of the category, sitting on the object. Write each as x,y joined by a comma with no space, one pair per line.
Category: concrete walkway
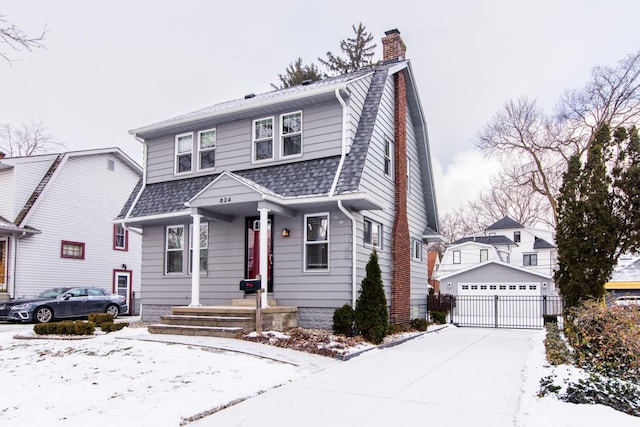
453,377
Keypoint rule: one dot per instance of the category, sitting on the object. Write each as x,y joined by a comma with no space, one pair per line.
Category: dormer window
263,139
183,152
207,149
291,134
516,236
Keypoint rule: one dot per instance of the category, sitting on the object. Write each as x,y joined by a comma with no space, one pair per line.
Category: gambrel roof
505,224
489,240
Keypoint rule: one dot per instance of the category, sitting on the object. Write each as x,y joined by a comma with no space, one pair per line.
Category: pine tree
589,226
371,313
359,53
296,73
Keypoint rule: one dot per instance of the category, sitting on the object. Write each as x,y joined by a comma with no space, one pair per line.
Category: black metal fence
502,311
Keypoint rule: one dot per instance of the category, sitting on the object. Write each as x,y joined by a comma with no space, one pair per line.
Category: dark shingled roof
130,200
505,223
308,178
354,162
542,244
489,240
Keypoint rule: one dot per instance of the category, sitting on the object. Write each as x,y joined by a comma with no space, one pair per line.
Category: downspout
14,264
348,214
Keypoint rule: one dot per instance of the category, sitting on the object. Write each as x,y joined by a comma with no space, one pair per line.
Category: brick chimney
393,48
400,312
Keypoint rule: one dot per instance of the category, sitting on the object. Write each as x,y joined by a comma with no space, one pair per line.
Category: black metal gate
503,311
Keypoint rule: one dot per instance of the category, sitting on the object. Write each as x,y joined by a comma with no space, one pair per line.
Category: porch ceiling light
285,232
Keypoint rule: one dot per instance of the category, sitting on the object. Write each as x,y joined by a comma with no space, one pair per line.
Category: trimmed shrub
344,321
371,314
65,328
419,324
556,348
439,317
112,327
100,318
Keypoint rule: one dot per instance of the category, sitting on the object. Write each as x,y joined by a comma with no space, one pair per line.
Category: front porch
225,321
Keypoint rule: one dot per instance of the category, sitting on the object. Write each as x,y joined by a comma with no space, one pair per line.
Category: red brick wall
401,241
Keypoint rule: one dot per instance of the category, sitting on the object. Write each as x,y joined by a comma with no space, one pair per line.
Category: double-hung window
263,139
120,238
207,149
516,236
203,240
530,259
184,153
372,233
408,175
316,242
388,156
174,249
291,134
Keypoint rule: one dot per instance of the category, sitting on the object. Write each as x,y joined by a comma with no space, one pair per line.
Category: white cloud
463,179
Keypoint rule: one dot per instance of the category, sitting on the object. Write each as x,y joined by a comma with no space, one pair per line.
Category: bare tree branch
17,39
27,139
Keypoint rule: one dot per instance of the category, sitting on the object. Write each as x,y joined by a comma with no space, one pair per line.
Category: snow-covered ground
105,381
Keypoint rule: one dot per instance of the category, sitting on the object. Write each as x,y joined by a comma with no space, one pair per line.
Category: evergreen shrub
65,328
371,313
344,321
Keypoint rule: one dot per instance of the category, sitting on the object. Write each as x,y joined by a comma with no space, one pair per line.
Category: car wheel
43,315
113,310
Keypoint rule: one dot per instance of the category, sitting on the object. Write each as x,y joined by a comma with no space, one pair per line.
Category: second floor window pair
206,151
290,136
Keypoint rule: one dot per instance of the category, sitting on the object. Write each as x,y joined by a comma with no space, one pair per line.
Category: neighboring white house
506,258
56,223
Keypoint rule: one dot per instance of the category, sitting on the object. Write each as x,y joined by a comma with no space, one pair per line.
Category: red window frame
126,239
68,242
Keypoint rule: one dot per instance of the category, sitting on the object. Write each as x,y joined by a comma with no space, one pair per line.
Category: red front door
252,268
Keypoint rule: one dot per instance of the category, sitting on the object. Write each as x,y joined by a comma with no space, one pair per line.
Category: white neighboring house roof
484,264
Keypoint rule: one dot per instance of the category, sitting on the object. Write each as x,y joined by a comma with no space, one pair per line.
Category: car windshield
52,293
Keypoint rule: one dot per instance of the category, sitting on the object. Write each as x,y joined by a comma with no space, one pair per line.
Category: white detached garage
496,294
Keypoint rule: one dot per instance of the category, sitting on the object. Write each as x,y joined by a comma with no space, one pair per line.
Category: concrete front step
251,302
248,323
207,331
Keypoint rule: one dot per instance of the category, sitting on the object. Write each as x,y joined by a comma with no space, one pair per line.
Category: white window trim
408,175
254,140
200,150
176,153
485,251
529,254
416,250
206,247
389,158
305,243
459,257
282,135
166,250
380,239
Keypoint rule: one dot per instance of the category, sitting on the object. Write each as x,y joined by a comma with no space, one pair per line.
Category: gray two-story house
295,187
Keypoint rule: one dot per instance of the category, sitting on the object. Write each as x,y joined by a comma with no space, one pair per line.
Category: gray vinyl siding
321,137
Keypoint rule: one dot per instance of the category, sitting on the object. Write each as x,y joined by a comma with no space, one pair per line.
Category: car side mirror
66,296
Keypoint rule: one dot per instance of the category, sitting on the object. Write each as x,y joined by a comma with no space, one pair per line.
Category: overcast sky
116,65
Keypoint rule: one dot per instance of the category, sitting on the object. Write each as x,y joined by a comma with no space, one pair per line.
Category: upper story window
456,257
388,156
184,153
530,259
316,242
72,250
291,134
516,236
174,249
263,139
408,175
207,149
372,233
484,255
120,238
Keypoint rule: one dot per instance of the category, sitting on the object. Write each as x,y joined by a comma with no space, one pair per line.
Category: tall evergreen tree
358,51
597,214
371,313
296,73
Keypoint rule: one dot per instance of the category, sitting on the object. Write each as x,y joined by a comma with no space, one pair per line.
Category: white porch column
195,267
264,253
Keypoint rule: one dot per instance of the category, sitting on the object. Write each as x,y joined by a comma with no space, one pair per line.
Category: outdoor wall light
544,286
285,232
124,266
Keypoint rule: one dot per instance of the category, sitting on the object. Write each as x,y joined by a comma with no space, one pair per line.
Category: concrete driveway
453,377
